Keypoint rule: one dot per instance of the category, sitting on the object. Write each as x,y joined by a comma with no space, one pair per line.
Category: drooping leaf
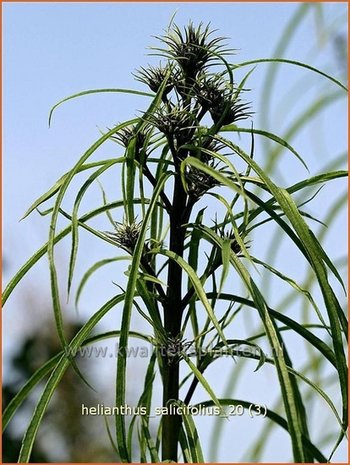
96,91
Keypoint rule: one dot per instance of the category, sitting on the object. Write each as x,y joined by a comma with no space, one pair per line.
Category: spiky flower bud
221,101
235,247
228,112
192,48
198,183
154,77
173,348
175,124
126,235
125,135
210,145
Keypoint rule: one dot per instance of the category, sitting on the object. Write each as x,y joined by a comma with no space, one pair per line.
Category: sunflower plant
180,155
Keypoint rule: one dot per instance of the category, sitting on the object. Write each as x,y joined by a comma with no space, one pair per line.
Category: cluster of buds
125,235
191,51
189,93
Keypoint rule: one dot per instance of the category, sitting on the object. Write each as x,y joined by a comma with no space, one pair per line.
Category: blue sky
52,50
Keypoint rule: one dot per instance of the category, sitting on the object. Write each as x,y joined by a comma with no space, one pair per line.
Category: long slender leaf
75,223
315,341
191,433
290,62
197,373
269,135
96,91
55,188
92,270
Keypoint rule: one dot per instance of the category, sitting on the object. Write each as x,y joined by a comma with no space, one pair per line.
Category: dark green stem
153,181
172,322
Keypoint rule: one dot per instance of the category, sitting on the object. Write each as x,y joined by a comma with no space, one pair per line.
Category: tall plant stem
172,323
